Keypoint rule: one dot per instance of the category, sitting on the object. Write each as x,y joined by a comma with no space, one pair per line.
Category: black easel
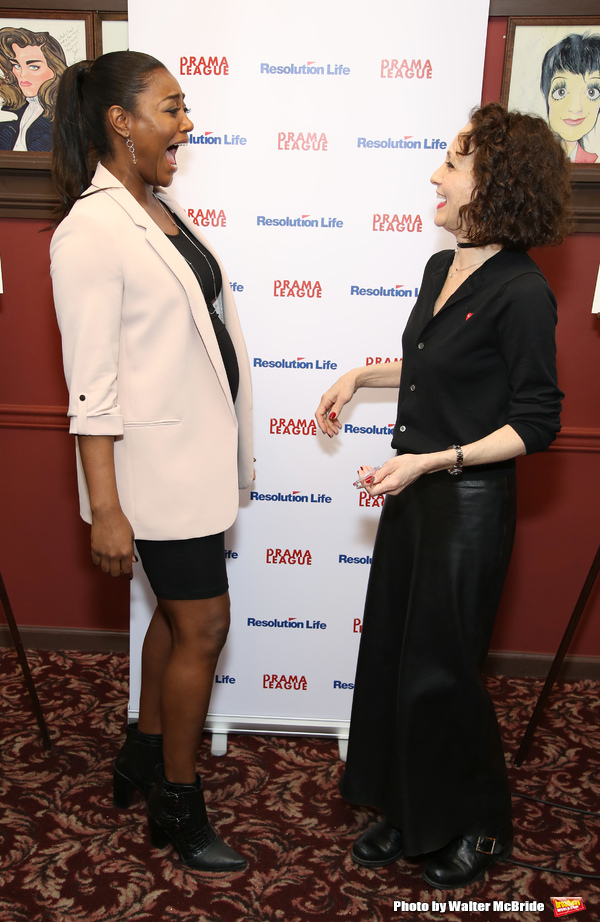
16,636
560,655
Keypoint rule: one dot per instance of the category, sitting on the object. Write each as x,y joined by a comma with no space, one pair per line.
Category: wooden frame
527,40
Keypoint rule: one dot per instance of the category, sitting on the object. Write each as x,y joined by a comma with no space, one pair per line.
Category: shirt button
82,396
421,346
413,387
402,428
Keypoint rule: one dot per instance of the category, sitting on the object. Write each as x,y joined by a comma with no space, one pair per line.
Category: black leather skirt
424,746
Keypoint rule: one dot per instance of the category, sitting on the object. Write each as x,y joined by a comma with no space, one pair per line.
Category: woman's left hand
395,475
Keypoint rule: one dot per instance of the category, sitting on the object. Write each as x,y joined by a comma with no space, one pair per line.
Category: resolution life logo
369,430
208,217
392,68
203,67
288,624
304,220
405,143
294,497
398,291
286,682
292,426
291,140
229,140
310,69
283,288
300,362
393,222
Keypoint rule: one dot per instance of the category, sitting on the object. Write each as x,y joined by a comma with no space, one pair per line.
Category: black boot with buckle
177,814
466,859
135,765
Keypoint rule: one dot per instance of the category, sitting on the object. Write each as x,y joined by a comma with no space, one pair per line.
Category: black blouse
208,274
486,359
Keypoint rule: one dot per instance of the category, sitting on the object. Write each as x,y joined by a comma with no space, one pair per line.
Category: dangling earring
131,148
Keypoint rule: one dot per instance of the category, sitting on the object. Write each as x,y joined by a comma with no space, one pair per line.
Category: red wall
44,547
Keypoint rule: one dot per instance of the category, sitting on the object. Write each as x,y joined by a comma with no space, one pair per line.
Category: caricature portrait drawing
31,64
570,84
554,72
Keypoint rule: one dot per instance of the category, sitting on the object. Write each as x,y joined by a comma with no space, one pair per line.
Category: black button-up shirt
486,359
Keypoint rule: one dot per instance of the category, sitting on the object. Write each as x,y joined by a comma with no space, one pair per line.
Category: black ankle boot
378,846
466,859
135,765
177,814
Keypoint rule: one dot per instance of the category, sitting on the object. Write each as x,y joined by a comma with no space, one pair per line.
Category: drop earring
131,148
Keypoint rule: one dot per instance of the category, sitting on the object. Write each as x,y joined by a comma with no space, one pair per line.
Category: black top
486,359
208,274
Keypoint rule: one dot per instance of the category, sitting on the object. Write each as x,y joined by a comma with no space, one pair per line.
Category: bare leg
156,652
198,630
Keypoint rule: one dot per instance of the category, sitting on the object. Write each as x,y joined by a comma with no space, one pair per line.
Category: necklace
212,304
464,268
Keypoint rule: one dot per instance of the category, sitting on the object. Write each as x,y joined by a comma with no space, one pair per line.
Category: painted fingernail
332,416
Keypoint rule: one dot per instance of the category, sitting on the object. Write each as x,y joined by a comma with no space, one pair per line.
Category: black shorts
190,569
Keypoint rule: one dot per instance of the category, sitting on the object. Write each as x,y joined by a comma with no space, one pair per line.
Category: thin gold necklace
464,268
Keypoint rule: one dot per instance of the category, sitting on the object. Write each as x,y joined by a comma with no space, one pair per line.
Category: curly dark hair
522,188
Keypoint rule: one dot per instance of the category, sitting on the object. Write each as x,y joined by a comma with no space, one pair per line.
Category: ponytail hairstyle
86,92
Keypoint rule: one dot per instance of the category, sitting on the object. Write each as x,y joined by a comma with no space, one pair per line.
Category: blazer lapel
103,179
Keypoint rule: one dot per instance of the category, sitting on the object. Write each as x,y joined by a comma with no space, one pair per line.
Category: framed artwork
36,47
552,69
111,32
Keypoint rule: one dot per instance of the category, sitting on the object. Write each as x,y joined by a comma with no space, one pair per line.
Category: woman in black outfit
477,388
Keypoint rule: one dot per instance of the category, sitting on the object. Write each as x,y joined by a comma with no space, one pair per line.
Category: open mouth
172,154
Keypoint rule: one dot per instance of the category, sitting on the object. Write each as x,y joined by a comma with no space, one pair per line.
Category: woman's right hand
332,401
112,543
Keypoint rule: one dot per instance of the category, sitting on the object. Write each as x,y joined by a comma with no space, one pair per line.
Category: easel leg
557,663
16,636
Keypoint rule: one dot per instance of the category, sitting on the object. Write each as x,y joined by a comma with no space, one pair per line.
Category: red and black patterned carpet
66,855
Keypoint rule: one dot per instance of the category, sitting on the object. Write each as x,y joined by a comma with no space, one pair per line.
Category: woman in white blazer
160,403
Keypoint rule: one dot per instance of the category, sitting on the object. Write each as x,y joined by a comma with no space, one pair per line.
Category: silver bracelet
457,468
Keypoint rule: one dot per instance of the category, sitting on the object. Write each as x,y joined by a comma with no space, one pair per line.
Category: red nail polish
332,415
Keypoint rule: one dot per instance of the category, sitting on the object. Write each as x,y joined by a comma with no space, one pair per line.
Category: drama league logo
380,360
357,626
406,69
292,426
229,140
311,68
397,291
284,288
291,140
370,502
207,217
286,556
395,223
203,67
405,143
287,682
565,905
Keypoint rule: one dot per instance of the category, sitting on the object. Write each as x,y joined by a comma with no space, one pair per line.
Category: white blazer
142,364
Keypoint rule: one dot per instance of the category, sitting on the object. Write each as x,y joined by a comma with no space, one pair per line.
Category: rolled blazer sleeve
87,281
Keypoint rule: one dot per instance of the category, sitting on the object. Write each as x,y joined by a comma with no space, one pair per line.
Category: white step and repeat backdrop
317,125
